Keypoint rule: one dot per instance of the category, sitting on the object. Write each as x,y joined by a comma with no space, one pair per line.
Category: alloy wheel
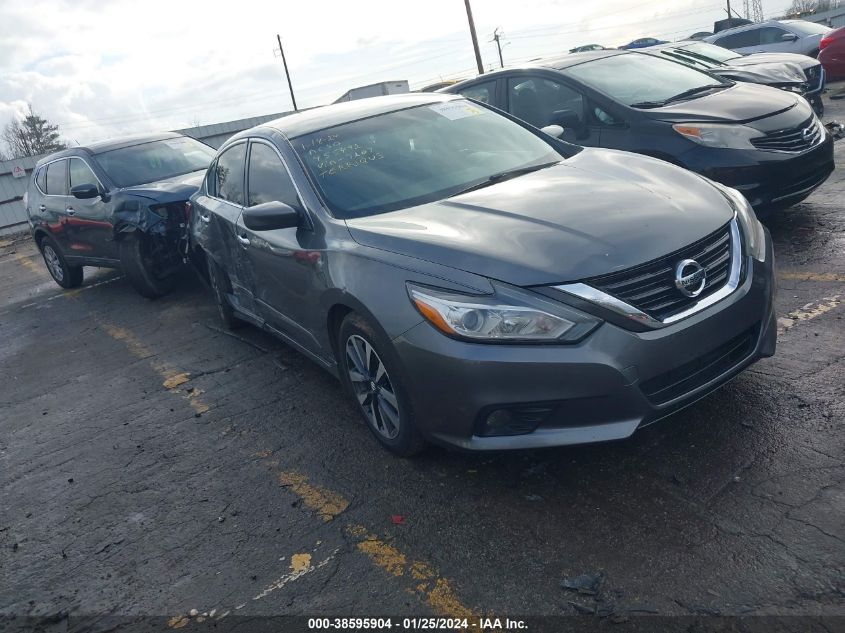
372,387
53,262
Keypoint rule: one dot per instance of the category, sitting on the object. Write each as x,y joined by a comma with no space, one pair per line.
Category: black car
478,283
118,203
764,142
787,71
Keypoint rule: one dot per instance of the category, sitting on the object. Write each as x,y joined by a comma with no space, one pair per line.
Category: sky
105,69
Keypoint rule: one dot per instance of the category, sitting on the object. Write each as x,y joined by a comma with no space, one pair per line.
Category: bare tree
31,136
812,6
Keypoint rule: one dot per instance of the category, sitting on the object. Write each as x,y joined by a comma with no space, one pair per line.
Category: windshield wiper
679,96
694,91
505,175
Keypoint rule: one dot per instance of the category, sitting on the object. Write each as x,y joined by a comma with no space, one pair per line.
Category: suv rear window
57,178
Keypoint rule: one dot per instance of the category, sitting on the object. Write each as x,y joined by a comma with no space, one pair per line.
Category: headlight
716,135
509,315
752,230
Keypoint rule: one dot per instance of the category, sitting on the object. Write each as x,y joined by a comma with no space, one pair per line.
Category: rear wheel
221,287
64,274
148,263
370,372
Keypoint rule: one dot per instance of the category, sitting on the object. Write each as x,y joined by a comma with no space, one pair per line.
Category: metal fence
15,174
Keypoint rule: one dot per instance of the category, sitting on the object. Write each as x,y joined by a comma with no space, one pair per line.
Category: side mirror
788,37
85,192
270,216
553,130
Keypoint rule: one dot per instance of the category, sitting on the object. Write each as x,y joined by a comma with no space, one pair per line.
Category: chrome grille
797,139
651,287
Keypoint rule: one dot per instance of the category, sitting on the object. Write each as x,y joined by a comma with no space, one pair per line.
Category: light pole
287,74
474,38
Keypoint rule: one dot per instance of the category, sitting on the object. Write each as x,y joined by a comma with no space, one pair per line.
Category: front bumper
603,388
768,179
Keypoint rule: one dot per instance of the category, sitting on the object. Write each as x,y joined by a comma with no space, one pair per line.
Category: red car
832,54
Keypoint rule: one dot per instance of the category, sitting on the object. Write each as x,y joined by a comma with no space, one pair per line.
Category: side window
81,174
741,40
41,179
540,101
268,179
229,174
771,35
57,178
483,92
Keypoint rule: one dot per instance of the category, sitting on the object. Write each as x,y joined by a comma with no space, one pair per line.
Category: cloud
105,69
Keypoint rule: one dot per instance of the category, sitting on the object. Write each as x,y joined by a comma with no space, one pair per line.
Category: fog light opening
514,420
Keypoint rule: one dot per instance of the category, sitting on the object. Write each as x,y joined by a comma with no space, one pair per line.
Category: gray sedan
478,283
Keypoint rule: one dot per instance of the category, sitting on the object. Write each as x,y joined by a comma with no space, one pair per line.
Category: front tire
145,263
64,274
370,372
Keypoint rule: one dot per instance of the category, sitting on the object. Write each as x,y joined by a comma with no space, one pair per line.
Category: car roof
324,117
748,27
110,144
552,63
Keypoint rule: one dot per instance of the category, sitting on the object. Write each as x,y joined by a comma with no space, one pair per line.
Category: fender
132,215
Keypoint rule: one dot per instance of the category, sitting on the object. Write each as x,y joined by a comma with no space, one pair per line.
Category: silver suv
774,36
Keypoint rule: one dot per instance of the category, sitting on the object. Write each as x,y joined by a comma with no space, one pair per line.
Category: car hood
766,73
741,103
803,61
594,213
173,189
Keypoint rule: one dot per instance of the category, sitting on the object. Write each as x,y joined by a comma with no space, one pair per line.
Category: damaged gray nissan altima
481,284
117,203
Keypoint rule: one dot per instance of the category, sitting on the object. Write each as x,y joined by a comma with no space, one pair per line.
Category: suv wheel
370,372
147,263
64,274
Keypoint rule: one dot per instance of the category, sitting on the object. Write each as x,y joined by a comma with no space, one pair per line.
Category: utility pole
497,38
474,38
287,73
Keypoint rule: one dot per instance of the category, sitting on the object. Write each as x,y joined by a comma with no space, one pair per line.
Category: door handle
243,240
70,211
42,207
205,218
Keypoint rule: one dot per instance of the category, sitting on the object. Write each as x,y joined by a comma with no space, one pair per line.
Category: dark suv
118,203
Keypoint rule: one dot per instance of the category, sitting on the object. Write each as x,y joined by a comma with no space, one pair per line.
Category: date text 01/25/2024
422,624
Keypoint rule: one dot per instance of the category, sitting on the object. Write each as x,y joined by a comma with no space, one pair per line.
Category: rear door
89,228
219,211
54,202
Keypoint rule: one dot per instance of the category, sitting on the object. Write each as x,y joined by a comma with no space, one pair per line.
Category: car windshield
157,160
417,155
804,28
710,52
641,80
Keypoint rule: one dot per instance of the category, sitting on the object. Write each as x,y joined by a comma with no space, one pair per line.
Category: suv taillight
825,41
188,209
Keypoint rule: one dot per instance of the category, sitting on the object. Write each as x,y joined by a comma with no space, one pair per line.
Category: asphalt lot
152,464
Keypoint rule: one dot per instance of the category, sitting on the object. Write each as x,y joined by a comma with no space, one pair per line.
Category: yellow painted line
26,262
436,591
813,276
325,503
807,312
172,377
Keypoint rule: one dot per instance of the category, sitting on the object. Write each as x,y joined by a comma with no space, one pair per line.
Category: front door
542,101
287,266
89,229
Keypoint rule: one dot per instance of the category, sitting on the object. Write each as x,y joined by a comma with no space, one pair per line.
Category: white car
774,36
